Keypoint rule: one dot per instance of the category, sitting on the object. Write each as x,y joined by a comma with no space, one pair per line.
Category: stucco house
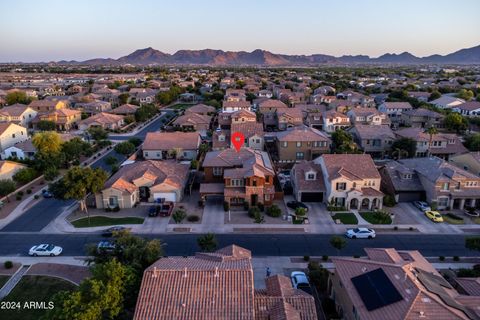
165,145
11,134
144,181
19,114
103,120
9,168
351,181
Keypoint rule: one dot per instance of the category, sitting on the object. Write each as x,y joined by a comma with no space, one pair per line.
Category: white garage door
168,196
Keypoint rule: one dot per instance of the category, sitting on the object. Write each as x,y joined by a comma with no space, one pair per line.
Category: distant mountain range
149,56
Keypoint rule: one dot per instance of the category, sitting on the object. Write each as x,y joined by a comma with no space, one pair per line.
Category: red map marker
238,139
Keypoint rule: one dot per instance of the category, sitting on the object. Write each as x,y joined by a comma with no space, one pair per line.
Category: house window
13,135
284,144
217,171
311,176
146,154
299,144
446,186
407,176
341,186
267,197
300,155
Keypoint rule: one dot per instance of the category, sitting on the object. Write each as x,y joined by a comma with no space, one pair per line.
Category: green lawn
346,218
99,221
3,280
34,288
376,217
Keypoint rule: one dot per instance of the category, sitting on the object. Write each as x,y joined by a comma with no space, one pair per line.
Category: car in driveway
422,205
296,204
471,211
112,230
360,233
435,216
300,281
45,250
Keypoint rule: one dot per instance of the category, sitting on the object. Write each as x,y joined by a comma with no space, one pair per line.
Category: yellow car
435,216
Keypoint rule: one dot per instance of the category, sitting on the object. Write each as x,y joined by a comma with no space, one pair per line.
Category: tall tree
338,243
17,97
404,147
46,125
48,142
207,242
75,148
98,133
78,183
431,132
343,142
455,122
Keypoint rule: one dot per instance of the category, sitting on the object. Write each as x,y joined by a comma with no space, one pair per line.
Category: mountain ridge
259,57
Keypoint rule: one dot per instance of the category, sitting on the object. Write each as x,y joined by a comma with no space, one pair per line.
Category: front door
144,194
254,199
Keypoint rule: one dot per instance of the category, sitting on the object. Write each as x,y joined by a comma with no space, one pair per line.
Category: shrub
395,228
25,175
306,258
125,148
29,191
36,196
410,228
193,218
6,187
433,205
253,211
389,201
108,209
300,211
258,217
454,216
18,197
456,258
226,206
116,209
20,193
246,206
110,160
207,242
8,264
441,258
179,215
325,258
274,211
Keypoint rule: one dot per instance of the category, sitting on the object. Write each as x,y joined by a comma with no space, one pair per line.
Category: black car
297,204
47,194
110,231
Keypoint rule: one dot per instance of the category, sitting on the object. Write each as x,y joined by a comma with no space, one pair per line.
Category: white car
360,233
45,250
423,206
300,281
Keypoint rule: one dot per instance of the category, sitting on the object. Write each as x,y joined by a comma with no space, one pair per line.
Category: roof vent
184,305
364,269
185,272
216,272
422,314
426,299
155,272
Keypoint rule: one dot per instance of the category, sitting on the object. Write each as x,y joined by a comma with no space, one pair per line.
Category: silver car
45,250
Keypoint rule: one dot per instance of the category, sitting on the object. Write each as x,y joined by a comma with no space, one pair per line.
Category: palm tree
431,132
399,153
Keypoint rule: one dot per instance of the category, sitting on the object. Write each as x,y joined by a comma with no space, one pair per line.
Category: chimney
185,272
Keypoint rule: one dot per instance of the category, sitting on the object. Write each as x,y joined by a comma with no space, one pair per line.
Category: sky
48,30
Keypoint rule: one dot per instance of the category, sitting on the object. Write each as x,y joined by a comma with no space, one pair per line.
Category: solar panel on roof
376,290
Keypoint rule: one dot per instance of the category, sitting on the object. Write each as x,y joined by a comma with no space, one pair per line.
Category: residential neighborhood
308,172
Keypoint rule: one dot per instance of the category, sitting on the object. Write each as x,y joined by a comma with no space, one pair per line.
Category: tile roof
200,108
410,279
272,103
302,133
102,118
15,110
159,172
355,165
6,125
246,157
366,131
193,119
398,105
469,106
470,285
125,109
248,128
433,169
171,140
301,184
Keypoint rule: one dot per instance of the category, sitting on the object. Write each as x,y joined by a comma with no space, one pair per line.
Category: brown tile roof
192,119
248,128
102,118
358,165
470,285
171,140
272,103
302,133
15,110
208,286
159,172
236,104
398,105
125,109
300,169
245,158
200,108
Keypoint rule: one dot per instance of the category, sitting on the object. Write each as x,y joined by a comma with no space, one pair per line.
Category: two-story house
301,143
442,145
351,181
19,114
65,119
469,109
165,145
445,184
269,109
375,140
290,117
422,118
333,120
240,177
104,120
394,110
193,122
469,161
46,106
370,116
235,95
232,106
11,134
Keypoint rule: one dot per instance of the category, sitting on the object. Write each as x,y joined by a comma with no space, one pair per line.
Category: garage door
168,196
410,196
311,197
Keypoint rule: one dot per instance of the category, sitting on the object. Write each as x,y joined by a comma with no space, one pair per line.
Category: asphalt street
41,214
14,244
